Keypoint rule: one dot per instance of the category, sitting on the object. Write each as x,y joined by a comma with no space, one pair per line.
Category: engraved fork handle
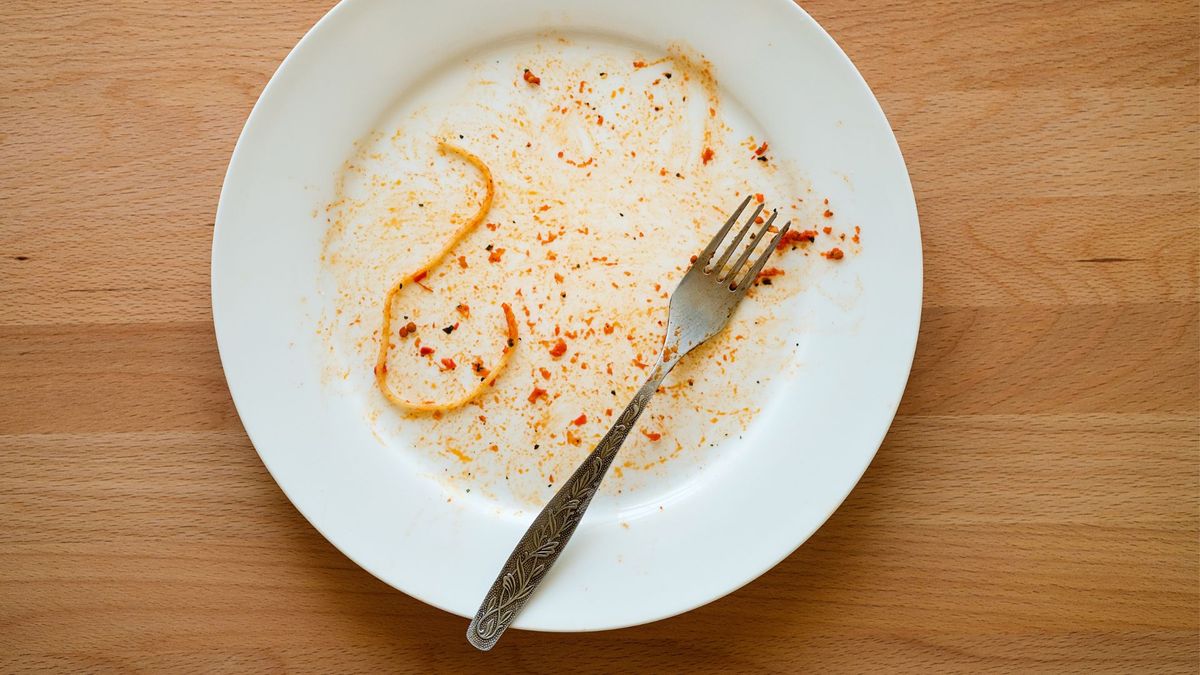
545,539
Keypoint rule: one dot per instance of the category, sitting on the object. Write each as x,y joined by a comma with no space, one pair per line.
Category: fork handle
545,539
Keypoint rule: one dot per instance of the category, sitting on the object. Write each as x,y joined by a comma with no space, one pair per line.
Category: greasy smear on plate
611,171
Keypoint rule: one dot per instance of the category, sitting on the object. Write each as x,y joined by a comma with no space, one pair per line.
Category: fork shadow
802,600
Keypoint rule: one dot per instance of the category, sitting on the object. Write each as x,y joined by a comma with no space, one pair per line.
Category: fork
700,307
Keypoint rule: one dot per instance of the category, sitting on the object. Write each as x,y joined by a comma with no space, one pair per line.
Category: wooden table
1035,506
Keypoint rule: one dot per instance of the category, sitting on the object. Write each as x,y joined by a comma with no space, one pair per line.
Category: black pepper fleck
448,329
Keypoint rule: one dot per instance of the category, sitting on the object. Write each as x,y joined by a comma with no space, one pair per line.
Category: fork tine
737,266
762,259
707,254
736,241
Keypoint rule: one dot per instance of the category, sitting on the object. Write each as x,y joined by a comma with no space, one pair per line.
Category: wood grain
1034,508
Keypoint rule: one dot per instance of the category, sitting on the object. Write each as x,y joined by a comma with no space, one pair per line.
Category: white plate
686,536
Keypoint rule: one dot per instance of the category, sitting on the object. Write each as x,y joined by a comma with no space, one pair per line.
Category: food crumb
531,78
834,253
559,348
766,274
792,238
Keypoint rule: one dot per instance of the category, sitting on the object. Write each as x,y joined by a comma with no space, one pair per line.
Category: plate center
613,165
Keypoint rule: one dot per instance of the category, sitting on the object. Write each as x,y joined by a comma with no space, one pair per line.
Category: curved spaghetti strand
415,277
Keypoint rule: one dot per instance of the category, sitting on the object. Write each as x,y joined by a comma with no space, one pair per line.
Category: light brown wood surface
1035,507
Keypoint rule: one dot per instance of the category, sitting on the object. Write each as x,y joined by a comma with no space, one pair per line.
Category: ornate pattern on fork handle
545,539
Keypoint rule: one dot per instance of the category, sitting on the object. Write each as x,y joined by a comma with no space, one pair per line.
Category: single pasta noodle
415,277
